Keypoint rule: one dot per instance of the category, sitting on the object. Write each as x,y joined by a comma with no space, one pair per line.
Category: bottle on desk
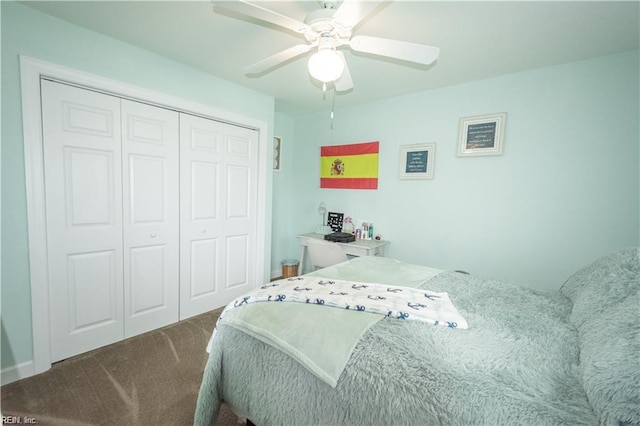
366,232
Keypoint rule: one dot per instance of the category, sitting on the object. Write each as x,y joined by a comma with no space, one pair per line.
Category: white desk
355,248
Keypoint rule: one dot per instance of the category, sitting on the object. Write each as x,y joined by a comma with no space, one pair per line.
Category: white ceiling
478,40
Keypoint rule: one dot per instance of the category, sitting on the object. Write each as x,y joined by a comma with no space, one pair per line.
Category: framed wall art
482,135
416,161
277,144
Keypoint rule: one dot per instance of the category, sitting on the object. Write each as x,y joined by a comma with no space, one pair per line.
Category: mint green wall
31,33
284,200
564,192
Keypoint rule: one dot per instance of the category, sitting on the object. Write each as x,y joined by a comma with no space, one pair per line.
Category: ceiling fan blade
404,50
351,12
262,14
344,83
273,60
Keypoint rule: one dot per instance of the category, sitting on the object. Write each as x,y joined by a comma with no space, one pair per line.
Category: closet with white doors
150,215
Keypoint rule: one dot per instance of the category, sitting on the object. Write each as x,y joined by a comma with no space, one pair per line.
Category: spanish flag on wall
353,166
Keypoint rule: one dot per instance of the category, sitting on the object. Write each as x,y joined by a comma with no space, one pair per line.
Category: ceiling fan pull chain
333,102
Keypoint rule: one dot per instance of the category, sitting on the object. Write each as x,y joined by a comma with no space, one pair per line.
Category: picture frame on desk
482,135
417,161
334,220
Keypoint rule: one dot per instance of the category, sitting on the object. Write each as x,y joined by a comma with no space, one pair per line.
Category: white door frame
31,71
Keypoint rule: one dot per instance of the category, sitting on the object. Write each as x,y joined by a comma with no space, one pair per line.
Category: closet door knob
153,235
204,231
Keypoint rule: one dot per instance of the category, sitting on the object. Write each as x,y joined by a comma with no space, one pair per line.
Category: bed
527,357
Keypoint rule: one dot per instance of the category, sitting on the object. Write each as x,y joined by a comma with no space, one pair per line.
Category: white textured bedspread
323,341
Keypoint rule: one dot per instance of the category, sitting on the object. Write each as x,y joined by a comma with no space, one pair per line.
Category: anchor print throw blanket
310,295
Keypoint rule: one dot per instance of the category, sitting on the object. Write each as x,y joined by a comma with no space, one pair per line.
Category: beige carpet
152,379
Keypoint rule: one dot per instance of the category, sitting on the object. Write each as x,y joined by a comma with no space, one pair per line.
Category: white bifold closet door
111,177
151,225
218,197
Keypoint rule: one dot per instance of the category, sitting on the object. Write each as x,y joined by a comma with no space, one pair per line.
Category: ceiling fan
327,29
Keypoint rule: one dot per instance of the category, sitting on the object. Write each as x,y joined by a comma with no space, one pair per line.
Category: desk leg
303,258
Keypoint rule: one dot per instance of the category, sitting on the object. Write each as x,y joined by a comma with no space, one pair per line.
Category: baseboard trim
16,372
276,274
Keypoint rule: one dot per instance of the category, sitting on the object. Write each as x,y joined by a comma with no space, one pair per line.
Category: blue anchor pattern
416,305
431,296
276,298
393,302
268,285
244,301
376,297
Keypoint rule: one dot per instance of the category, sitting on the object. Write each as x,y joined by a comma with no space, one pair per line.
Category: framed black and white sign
482,135
416,161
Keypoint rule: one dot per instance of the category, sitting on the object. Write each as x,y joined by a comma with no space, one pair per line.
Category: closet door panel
241,212
204,191
238,256
92,288
202,270
82,165
88,187
151,216
202,188
238,184
218,212
147,189
148,293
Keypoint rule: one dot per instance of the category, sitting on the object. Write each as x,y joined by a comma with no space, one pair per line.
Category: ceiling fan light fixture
326,65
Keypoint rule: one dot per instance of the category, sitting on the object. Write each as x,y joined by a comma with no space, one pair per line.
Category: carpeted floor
151,379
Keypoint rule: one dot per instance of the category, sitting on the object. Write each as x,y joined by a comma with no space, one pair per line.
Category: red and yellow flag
353,166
